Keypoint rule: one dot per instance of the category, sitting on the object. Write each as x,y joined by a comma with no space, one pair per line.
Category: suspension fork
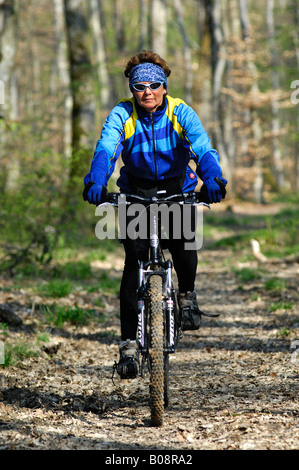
170,309
168,294
141,293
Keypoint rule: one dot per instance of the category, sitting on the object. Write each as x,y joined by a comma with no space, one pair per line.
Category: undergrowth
70,271
277,234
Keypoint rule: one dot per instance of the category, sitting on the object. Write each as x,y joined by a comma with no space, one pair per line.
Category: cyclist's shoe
128,364
189,311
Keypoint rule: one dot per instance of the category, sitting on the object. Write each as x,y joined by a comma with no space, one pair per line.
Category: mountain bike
159,322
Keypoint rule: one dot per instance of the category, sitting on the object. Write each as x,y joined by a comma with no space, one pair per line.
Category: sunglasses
152,86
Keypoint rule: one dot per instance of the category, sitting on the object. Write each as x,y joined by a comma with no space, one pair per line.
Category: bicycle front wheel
156,350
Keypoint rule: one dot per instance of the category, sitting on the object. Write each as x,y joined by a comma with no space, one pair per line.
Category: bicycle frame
159,325
156,265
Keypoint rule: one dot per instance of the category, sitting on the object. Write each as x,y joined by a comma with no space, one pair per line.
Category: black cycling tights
185,265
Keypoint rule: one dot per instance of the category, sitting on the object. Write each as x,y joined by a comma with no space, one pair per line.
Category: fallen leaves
233,384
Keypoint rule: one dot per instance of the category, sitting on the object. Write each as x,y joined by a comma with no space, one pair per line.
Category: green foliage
41,208
77,270
247,274
56,288
43,337
278,234
275,284
280,305
3,328
284,331
108,283
58,315
33,211
17,352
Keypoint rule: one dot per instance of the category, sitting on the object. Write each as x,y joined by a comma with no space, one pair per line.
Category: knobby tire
157,388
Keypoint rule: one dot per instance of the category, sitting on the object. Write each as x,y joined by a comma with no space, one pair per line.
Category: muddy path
234,383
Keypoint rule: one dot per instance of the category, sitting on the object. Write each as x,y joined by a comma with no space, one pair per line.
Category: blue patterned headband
147,72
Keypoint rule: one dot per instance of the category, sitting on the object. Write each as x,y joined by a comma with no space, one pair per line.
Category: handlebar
192,197
183,198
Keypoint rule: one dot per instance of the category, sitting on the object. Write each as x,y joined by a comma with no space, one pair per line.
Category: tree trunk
250,138
82,86
100,54
202,93
63,69
244,18
119,24
278,167
296,42
187,52
7,55
158,26
142,24
218,64
9,91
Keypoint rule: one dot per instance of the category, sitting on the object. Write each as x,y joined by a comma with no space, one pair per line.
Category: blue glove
209,170
215,191
92,193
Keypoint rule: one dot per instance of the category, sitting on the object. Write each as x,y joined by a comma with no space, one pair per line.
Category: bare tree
295,8
143,24
187,51
7,56
158,19
278,168
99,54
83,118
118,13
251,117
63,69
9,92
218,64
81,72
244,18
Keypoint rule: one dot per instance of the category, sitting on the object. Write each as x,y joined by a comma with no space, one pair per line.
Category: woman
157,136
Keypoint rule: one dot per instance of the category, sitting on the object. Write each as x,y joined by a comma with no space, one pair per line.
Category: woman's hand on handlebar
213,190
94,193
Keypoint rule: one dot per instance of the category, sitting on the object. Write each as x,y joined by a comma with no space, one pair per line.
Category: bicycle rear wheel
156,350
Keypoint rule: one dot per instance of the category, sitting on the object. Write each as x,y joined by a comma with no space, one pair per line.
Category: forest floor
234,383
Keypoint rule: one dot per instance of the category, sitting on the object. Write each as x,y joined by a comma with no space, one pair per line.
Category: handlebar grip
86,189
222,186
104,195
202,195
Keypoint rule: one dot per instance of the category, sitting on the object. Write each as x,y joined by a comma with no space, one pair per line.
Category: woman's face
149,99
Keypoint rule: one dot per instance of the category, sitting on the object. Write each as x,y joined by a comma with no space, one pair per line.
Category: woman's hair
147,56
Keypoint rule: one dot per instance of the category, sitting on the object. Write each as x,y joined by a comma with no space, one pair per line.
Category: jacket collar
157,115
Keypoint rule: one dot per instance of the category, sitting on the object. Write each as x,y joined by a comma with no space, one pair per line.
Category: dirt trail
234,383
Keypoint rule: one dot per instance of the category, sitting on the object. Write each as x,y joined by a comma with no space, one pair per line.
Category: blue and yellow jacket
153,146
